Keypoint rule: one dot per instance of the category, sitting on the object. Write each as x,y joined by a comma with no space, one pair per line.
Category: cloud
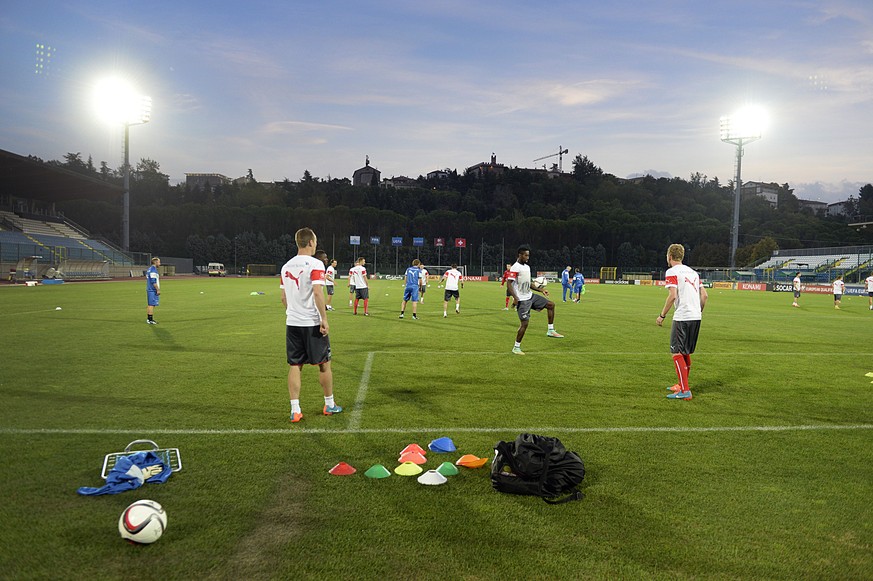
291,127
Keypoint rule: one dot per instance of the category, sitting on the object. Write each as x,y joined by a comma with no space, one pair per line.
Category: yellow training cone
408,469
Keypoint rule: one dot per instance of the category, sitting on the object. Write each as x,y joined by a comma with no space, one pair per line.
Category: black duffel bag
538,466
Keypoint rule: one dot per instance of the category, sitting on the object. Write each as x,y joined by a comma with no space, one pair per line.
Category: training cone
471,461
432,478
413,457
58,309
408,469
442,445
413,448
342,469
377,471
447,469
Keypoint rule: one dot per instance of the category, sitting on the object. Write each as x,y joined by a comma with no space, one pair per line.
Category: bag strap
575,495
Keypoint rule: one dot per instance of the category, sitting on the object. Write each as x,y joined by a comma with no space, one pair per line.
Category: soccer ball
541,281
142,522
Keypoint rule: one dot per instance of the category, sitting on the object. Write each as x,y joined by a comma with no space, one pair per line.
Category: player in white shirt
329,278
306,327
795,285
688,295
869,285
453,278
839,288
358,275
423,288
519,285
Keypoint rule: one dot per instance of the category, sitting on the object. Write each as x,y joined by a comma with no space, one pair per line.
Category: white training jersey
869,282
424,276
687,284
453,277
519,275
358,274
796,282
299,276
839,286
330,276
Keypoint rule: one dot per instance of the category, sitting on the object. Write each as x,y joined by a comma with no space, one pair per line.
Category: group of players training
307,339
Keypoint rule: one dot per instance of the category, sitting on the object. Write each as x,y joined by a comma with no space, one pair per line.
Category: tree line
584,218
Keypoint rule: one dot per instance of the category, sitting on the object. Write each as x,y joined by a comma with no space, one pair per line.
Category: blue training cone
442,445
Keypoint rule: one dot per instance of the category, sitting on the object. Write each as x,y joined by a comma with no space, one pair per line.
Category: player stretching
519,285
502,283
689,297
359,279
306,340
410,291
453,278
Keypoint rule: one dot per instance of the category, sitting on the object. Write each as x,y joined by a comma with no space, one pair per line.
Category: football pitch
766,474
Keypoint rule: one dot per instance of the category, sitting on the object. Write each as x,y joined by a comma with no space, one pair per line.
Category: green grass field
766,474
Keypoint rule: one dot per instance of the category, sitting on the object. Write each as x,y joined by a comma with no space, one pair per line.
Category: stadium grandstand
37,241
823,265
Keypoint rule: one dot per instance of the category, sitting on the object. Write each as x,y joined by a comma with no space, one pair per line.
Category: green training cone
447,469
377,471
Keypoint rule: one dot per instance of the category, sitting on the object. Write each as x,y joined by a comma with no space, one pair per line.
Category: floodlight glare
119,103
116,101
744,126
747,124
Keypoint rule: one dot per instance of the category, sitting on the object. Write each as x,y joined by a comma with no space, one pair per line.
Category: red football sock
687,363
681,371
507,302
356,306
366,302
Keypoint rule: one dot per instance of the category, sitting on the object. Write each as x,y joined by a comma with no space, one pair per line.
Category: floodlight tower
744,126
118,102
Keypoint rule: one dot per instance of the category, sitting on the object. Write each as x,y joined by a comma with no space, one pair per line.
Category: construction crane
559,155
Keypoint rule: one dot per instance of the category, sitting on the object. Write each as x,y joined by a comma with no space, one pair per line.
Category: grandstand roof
28,178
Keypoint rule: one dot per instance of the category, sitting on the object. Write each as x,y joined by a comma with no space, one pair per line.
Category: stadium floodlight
744,126
119,103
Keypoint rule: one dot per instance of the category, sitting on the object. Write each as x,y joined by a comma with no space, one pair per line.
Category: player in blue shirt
578,285
566,286
153,290
410,291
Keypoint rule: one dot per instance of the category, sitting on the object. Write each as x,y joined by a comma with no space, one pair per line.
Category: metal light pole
142,114
739,129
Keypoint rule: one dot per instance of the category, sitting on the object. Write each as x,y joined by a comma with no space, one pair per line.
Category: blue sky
281,87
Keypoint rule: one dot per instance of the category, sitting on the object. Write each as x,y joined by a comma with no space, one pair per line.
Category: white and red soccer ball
142,522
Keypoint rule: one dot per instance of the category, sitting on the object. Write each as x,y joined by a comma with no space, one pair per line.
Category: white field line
664,353
358,409
292,431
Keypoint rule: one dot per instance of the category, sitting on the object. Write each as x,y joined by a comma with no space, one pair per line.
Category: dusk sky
280,87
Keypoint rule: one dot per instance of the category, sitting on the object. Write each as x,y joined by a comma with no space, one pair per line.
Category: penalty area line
299,430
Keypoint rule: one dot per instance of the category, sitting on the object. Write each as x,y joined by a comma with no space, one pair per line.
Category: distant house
438,174
480,169
818,208
367,175
839,208
769,192
205,181
399,182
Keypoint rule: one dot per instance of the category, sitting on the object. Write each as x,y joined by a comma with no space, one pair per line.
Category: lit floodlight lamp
747,124
744,126
118,102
